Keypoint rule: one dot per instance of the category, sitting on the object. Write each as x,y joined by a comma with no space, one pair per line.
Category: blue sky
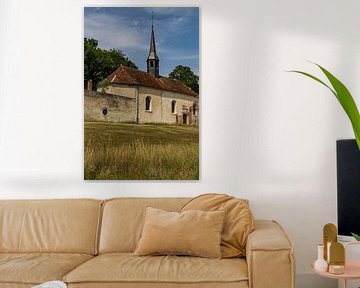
128,29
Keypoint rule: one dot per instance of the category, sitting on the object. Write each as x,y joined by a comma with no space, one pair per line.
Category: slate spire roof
152,50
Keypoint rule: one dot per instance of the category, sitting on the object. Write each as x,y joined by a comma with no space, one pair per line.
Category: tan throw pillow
239,220
196,233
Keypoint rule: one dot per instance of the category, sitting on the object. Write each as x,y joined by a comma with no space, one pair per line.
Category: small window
104,111
173,106
148,103
151,64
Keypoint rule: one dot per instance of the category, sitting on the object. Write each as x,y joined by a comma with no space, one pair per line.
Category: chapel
136,96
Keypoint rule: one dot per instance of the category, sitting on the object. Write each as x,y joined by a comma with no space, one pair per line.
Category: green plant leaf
356,236
347,102
316,79
344,97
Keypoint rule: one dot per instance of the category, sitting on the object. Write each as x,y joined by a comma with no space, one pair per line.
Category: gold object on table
337,258
330,236
336,269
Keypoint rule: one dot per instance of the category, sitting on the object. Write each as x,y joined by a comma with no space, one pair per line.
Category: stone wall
123,90
113,108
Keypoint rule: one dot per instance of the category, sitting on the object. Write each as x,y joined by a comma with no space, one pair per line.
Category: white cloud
113,32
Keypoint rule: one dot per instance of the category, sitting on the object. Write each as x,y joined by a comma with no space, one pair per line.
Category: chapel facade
134,96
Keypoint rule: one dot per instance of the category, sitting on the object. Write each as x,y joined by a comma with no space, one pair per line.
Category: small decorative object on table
333,251
340,267
51,284
329,236
337,259
320,264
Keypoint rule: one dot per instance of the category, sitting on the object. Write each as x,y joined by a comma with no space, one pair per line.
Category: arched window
148,103
173,106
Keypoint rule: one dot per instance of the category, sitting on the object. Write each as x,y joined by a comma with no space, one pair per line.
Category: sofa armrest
269,256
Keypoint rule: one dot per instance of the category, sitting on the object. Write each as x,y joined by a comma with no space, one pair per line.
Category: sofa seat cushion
36,268
127,268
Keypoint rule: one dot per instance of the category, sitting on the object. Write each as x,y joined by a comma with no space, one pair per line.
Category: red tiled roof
131,76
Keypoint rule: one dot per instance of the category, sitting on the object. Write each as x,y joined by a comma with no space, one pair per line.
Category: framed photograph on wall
141,93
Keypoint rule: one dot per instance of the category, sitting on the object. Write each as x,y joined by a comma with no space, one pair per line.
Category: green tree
185,75
99,63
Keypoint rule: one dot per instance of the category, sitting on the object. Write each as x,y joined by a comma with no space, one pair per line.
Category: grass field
115,151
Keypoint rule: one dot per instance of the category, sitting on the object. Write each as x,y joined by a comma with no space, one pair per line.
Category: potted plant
347,102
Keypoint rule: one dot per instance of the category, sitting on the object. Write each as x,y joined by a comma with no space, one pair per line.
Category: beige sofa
89,243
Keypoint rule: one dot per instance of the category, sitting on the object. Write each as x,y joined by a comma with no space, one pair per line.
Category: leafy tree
185,75
90,60
99,63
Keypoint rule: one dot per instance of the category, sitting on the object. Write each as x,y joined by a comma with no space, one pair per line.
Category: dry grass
140,152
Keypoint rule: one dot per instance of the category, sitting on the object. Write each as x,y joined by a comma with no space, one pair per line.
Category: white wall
266,135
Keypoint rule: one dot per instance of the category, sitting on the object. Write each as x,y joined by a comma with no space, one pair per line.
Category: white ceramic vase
320,264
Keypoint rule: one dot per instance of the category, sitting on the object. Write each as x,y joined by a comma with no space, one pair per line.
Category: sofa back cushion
123,220
238,224
67,226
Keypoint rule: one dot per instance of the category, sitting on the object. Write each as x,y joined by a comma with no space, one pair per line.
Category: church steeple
153,60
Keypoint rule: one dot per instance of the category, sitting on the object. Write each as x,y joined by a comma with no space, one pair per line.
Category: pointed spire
152,60
152,50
